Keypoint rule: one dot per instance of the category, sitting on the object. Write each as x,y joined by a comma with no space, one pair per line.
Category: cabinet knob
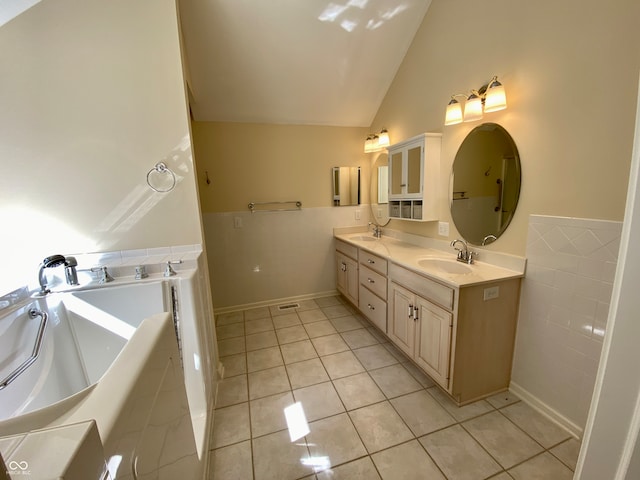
370,307
370,261
371,280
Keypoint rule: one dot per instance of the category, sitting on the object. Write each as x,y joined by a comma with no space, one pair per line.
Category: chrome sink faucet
377,230
464,254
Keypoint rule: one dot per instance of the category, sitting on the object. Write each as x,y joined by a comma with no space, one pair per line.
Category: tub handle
33,313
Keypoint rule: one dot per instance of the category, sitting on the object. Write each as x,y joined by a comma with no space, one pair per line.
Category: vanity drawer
373,281
373,308
374,262
433,291
348,249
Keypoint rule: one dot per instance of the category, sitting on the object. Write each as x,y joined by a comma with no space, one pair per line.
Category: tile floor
370,412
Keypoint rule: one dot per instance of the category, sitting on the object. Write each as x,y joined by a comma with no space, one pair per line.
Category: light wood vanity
458,328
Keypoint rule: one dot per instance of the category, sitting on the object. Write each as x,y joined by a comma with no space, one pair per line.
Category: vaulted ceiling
307,62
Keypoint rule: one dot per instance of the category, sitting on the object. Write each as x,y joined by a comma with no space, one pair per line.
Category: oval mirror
485,184
380,190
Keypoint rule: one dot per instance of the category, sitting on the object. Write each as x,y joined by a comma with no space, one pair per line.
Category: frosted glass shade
473,108
453,114
383,139
496,98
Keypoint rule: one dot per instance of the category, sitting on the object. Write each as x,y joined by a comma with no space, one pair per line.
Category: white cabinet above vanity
414,172
455,321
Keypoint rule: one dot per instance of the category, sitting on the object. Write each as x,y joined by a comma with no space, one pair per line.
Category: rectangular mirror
346,186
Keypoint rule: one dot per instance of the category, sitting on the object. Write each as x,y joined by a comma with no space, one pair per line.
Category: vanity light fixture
376,142
488,98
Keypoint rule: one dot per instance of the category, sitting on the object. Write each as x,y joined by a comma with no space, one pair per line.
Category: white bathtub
100,360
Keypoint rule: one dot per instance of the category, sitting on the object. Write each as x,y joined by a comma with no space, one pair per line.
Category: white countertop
433,263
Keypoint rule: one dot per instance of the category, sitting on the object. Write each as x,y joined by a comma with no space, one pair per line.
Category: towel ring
161,168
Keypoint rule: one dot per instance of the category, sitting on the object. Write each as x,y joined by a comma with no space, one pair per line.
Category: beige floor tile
298,351
458,455
267,413
376,333
362,469
308,372
233,462
502,439
568,452
374,356
258,326
263,359
268,382
291,334
276,457
328,301
460,413
380,426
503,399
358,391
359,338
305,305
230,331
394,380
231,346
311,316
501,476
261,340
232,390
542,467
320,329
319,401
231,425
287,320
234,364
229,318
422,413
335,311
345,324
334,440
329,344
341,364
543,430
397,354
408,461
422,378
254,313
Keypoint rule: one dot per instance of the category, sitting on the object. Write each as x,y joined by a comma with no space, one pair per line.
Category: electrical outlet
379,213
357,214
491,293
237,222
443,229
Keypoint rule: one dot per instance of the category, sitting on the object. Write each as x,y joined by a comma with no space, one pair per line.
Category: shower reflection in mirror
346,186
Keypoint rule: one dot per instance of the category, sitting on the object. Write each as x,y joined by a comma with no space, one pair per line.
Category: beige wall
570,70
265,163
92,98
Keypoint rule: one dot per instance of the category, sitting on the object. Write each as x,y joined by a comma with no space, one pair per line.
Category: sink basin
444,265
363,238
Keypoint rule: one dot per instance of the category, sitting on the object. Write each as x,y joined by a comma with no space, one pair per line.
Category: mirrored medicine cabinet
346,186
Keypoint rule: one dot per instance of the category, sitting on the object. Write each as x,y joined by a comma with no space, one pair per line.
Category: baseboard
546,410
267,303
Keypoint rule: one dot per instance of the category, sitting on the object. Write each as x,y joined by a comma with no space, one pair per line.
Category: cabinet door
396,182
414,171
434,340
347,277
401,318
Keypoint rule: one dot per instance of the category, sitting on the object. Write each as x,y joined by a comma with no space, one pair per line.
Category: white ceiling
308,62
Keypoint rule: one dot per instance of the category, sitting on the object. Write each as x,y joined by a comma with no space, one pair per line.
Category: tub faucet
49,262
103,274
464,254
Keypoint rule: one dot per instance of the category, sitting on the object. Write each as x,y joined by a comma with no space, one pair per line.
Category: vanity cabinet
463,338
414,170
347,271
373,288
419,327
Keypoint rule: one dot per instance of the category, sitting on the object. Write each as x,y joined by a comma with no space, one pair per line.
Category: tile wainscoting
564,306
265,256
